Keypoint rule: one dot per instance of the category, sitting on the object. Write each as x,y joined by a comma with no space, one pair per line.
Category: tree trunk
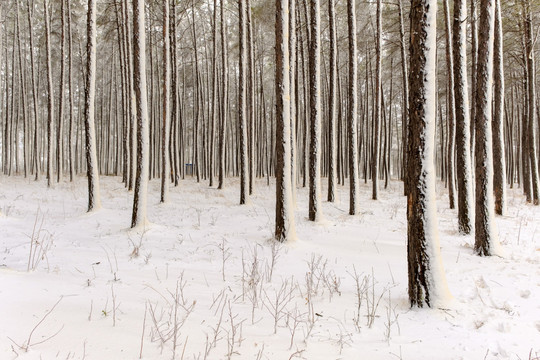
242,111
427,283
531,88
451,111
499,163
463,161
94,201
165,160
377,119
351,114
284,230
332,104
315,110
486,237
139,79
50,95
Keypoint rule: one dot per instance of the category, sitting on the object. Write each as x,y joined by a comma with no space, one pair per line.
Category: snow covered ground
199,282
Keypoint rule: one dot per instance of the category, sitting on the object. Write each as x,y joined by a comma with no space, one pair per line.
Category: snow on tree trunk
94,201
165,161
486,236
242,111
499,163
50,96
463,160
139,76
315,113
284,203
427,282
351,115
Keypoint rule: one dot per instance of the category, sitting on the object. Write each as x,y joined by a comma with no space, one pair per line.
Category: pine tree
284,230
315,112
94,200
50,95
138,217
165,160
463,160
353,155
427,283
499,163
332,103
486,237
242,108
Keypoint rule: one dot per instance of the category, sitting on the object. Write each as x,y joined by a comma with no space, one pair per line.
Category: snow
496,312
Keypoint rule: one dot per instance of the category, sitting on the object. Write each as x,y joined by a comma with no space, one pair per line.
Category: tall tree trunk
474,61
165,160
315,113
50,95
293,91
499,163
351,114
377,119
242,111
59,129
70,90
463,161
34,89
451,111
225,91
332,103
94,200
427,283
405,109
139,78
531,88
486,237
284,230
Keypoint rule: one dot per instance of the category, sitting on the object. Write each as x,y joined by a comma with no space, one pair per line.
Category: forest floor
204,281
